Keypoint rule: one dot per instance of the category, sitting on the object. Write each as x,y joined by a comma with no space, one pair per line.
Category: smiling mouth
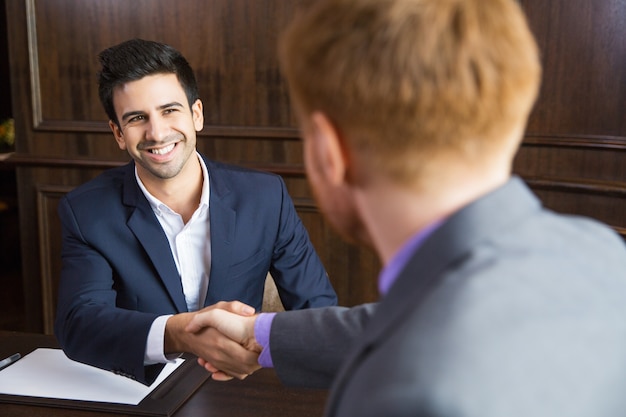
163,150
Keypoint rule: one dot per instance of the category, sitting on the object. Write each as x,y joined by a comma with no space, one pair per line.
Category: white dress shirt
191,248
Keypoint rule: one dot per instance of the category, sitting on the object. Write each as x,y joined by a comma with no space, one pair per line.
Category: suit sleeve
88,323
300,277
308,346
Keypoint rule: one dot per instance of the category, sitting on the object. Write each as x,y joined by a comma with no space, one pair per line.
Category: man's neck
181,193
406,211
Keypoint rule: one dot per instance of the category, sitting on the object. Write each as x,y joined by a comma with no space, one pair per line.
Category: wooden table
259,395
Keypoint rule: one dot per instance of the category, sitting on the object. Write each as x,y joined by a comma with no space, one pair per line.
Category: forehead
149,92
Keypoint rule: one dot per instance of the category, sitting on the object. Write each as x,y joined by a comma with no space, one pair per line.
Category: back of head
138,58
410,81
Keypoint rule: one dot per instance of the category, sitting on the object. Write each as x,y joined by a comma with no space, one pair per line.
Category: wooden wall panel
49,249
231,44
574,150
583,49
572,155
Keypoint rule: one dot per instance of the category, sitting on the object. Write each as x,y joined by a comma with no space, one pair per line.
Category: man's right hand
219,353
238,329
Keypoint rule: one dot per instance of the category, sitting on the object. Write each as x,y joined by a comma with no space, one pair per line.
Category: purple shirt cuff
262,327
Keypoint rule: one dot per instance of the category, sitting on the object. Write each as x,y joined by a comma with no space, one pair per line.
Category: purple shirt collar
390,272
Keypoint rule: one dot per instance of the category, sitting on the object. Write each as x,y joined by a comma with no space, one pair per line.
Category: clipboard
163,400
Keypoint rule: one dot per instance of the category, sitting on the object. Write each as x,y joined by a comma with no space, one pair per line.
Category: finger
227,322
221,376
236,307
203,319
227,356
216,374
224,354
235,327
206,365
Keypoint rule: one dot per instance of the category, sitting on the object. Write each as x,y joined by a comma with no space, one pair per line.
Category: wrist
250,341
174,340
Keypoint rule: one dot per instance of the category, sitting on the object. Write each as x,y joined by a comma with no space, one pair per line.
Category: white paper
48,373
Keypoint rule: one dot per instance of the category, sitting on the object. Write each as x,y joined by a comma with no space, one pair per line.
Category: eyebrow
130,114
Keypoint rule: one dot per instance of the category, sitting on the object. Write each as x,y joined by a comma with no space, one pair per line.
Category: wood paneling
231,44
572,154
5,84
49,249
574,149
583,47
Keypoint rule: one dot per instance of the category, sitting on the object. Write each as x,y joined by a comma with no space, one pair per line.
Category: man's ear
330,148
118,134
198,115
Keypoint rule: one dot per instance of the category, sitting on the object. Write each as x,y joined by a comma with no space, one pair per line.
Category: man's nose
157,129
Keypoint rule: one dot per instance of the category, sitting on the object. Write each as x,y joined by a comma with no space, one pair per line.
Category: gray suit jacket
507,310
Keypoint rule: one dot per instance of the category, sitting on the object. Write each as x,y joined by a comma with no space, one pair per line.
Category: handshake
221,335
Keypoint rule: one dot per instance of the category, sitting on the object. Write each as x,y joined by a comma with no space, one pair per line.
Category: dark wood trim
305,205
26,160
579,185
48,290
19,159
255,132
33,60
582,186
90,126
575,141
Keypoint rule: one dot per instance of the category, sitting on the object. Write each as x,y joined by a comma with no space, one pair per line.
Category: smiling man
170,233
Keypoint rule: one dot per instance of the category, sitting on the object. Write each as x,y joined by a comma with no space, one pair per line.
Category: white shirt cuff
156,340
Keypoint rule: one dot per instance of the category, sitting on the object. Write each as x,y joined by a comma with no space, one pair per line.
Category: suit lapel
223,219
444,249
411,286
148,231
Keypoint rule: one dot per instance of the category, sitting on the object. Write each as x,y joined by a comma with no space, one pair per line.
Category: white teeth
163,151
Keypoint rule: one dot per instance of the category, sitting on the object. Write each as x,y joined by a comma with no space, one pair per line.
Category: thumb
237,307
208,318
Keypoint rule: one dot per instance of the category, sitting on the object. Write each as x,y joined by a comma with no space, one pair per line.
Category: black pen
8,361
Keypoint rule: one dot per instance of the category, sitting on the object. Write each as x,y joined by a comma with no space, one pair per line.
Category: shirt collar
157,205
392,270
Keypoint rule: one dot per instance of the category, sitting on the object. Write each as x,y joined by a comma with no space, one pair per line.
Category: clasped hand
222,336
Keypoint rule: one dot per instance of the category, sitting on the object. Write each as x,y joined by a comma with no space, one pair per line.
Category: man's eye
168,111
136,119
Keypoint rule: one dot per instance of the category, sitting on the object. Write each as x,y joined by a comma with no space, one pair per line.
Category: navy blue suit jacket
119,274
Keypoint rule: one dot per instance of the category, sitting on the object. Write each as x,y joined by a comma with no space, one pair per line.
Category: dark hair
135,59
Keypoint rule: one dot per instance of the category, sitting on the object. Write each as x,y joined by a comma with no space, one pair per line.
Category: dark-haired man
172,232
